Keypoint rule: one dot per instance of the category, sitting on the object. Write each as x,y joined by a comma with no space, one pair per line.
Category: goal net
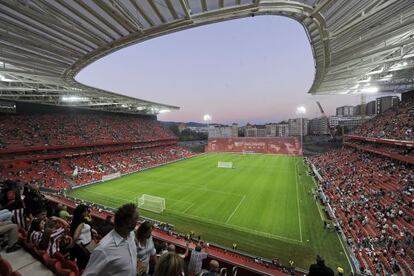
151,203
226,165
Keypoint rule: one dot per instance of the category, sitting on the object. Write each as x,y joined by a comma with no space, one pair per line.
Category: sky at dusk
255,70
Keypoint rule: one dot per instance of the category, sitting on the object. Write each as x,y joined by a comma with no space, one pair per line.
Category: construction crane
331,132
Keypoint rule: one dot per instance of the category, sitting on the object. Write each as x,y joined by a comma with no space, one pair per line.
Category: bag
90,246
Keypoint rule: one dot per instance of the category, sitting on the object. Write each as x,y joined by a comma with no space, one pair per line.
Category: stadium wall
267,145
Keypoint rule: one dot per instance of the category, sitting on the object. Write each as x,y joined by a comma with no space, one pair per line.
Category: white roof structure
358,45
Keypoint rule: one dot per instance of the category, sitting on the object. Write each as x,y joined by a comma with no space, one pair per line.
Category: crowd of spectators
395,123
71,171
373,198
40,130
75,243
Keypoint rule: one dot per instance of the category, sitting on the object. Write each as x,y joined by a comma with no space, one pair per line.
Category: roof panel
47,42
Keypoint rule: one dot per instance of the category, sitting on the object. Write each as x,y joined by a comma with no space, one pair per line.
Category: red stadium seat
60,271
5,267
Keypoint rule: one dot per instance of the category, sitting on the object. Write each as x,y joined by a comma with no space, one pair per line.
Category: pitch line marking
297,198
188,208
237,227
229,225
234,211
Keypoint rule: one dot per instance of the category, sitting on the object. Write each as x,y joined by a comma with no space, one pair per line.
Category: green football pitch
265,204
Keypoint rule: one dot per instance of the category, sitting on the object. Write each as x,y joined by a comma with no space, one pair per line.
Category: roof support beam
157,11
171,9
142,12
102,19
186,8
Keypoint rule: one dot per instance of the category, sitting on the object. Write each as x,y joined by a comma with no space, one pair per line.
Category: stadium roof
358,46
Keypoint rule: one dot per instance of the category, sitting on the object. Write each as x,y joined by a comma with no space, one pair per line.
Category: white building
294,127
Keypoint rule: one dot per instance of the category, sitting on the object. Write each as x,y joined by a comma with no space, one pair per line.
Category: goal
226,165
151,203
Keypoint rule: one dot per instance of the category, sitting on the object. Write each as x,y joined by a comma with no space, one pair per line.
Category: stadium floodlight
4,78
385,78
164,110
301,110
376,71
371,89
74,99
366,80
207,118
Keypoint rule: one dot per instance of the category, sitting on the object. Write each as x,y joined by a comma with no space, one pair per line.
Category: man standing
319,269
196,260
116,254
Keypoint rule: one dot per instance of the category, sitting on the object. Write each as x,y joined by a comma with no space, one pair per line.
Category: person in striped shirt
35,233
53,233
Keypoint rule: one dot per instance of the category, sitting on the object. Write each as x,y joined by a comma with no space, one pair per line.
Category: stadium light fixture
385,78
164,110
366,80
4,78
207,118
301,110
72,99
376,72
372,89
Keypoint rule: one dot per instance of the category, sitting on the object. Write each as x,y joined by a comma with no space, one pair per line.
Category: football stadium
94,182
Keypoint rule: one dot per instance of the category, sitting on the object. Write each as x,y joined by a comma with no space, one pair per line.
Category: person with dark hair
320,269
81,233
196,260
35,233
106,226
116,254
145,245
170,264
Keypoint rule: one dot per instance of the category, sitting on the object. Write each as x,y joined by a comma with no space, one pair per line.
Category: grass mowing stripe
263,197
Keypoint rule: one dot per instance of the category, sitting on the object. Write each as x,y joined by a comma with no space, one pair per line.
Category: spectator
35,233
81,233
10,229
63,212
319,269
214,269
145,245
52,235
116,254
170,264
5,215
171,248
106,226
196,260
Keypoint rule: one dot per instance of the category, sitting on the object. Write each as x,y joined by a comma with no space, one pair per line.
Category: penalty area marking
234,211
227,225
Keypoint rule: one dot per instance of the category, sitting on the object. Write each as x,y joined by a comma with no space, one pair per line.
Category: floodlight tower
207,119
300,111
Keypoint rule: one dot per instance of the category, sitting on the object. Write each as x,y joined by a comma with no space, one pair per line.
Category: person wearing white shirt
145,245
116,254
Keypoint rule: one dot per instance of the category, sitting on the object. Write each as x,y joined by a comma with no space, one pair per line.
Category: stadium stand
396,123
73,130
62,150
369,185
373,198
